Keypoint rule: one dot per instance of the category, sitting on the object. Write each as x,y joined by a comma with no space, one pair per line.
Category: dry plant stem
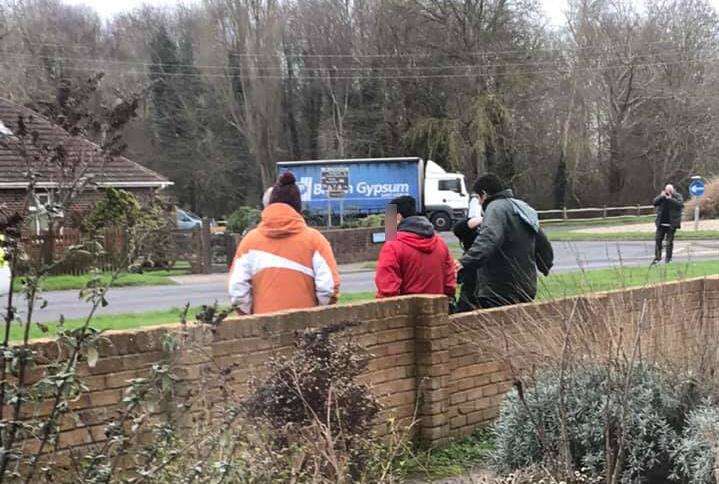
181,453
326,428
612,358
518,382
106,445
71,363
403,438
9,318
615,476
566,451
10,441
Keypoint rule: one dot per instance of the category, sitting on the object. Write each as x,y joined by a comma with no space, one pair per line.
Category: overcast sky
108,8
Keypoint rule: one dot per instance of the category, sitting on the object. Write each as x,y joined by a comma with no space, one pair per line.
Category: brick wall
242,346
15,199
353,245
416,350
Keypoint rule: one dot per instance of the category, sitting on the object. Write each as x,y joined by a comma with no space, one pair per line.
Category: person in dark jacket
669,205
466,231
418,260
509,248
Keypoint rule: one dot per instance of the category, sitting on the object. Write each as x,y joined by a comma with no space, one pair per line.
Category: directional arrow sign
696,188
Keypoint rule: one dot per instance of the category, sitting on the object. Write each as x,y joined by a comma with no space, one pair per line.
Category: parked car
187,220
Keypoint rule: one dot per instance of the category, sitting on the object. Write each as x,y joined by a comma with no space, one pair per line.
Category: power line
547,63
407,76
596,48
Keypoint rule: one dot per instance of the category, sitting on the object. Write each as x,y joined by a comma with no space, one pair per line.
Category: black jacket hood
417,225
497,196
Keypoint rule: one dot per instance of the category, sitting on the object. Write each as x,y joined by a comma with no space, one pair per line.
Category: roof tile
13,168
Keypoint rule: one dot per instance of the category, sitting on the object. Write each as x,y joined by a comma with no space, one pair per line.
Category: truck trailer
359,187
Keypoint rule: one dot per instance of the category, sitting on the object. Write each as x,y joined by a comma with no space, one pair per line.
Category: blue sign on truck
371,184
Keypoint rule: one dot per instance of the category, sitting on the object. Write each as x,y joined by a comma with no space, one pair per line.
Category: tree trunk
313,114
48,245
290,110
615,175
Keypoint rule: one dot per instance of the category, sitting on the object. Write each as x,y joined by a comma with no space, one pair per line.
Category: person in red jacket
418,261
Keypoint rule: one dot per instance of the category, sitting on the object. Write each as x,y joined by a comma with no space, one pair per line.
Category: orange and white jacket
283,264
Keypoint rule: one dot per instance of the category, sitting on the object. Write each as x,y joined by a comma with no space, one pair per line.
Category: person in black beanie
287,191
510,248
283,264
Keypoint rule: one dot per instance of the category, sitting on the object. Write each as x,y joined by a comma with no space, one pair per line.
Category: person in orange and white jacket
283,263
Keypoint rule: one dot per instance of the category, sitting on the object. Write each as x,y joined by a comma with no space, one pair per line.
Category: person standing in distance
509,249
669,205
418,260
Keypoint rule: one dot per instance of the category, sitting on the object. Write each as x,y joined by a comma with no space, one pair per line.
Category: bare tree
250,33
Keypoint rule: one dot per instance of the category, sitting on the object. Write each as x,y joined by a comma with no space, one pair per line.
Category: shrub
243,219
315,390
376,220
696,451
117,208
529,428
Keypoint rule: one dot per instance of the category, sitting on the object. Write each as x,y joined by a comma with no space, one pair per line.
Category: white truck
366,186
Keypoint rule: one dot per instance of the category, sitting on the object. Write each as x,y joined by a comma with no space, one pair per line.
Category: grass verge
147,278
574,236
144,319
582,282
552,287
596,222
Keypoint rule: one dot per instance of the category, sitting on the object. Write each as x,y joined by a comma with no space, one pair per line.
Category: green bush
243,219
653,411
695,453
376,220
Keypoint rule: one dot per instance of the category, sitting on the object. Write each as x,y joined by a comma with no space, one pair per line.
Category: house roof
120,172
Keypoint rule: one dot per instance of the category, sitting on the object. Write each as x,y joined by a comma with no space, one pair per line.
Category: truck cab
445,196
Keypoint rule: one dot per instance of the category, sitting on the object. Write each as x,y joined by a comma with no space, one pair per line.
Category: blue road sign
696,188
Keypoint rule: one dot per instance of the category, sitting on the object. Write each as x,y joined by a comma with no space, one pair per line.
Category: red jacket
417,262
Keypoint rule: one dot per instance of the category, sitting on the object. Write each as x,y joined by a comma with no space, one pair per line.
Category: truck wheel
441,221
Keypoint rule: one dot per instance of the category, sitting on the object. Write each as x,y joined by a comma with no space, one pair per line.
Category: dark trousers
467,300
662,232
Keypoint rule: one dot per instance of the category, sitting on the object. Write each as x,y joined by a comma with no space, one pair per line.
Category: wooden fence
594,212
39,249
198,248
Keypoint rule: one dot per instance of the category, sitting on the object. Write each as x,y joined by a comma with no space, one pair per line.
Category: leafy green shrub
529,428
695,454
375,220
243,219
118,208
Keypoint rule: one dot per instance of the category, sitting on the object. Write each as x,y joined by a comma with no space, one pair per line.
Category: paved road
568,256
